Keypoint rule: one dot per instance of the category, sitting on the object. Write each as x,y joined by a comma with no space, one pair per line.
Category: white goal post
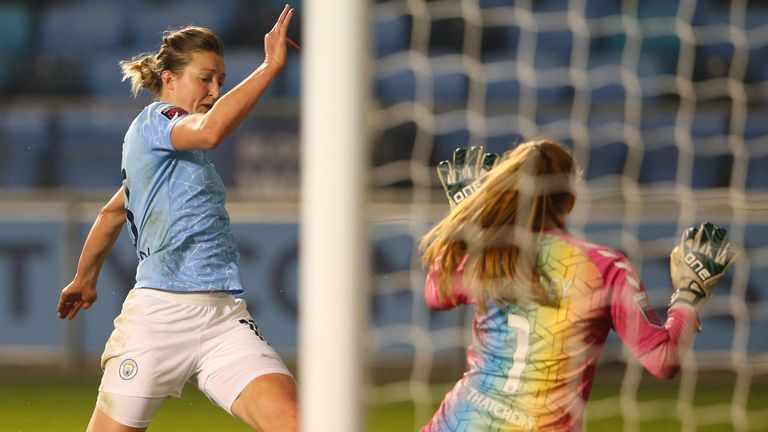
333,243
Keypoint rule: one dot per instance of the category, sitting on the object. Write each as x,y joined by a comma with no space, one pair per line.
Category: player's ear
168,79
570,201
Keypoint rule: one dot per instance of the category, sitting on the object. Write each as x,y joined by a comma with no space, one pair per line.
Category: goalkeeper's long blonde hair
498,227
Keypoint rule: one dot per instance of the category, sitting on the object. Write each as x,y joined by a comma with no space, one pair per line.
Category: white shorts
162,340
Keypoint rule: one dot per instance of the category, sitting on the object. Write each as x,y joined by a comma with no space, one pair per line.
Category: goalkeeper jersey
175,210
530,367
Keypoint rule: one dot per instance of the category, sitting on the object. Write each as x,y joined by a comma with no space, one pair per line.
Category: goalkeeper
544,300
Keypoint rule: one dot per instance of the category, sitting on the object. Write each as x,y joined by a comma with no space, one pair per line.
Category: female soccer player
181,320
545,300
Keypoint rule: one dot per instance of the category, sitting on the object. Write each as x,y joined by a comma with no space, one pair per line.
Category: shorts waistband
191,298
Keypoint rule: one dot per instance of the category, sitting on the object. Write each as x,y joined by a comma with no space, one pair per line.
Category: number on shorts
522,328
252,324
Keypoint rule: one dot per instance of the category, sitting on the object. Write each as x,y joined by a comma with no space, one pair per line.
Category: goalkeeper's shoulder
603,257
440,297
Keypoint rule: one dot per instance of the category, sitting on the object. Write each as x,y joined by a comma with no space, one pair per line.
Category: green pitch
60,404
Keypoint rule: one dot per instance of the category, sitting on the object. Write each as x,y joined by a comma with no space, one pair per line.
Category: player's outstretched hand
276,40
698,262
464,176
74,297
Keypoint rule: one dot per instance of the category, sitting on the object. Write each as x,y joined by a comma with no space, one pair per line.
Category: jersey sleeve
157,134
432,292
655,344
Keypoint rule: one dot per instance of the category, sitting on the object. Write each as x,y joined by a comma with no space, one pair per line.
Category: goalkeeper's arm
663,361
434,296
697,263
658,346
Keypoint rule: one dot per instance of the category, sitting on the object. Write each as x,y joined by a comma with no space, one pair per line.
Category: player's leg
240,372
269,403
101,422
256,389
118,413
148,358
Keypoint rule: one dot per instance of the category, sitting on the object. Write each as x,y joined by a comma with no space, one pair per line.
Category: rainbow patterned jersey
530,366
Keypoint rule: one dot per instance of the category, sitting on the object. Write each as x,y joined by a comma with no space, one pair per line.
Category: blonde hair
175,53
498,227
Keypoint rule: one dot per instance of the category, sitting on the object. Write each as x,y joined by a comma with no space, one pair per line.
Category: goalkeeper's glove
462,178
698,262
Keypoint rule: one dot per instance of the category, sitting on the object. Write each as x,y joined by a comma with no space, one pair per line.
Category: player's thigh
118,413
101,422
269,402
233,354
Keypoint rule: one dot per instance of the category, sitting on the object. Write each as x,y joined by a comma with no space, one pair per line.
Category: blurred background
662,102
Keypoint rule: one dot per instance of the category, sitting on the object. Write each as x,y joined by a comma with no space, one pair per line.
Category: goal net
661,102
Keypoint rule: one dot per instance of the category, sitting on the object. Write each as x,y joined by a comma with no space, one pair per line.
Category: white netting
662,104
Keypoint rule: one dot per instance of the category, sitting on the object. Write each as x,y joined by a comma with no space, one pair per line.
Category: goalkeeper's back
531,365
544,300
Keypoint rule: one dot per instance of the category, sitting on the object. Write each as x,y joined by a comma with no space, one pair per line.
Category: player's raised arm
213,121
697,263
81,292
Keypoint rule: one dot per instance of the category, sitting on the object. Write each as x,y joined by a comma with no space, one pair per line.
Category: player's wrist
681,304
688,296
273,64
86,279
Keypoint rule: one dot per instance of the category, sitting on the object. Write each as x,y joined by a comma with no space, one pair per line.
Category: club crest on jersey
128,369
171,112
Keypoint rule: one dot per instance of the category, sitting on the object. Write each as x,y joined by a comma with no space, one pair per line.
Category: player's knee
277,416
284,419
269,403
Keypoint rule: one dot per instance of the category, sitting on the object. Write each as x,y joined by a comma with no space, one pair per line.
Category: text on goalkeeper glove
698,262
463,177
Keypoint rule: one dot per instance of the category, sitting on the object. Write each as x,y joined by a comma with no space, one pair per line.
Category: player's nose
214,90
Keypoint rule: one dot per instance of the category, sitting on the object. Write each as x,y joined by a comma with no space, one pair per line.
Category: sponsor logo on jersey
171,112
644,304
128,369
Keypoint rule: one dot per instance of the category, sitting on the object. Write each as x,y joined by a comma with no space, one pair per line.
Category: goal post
333,244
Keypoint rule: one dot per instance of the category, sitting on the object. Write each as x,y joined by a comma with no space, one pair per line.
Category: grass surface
61,404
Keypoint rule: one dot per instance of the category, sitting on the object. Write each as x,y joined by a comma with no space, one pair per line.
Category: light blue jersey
176,215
